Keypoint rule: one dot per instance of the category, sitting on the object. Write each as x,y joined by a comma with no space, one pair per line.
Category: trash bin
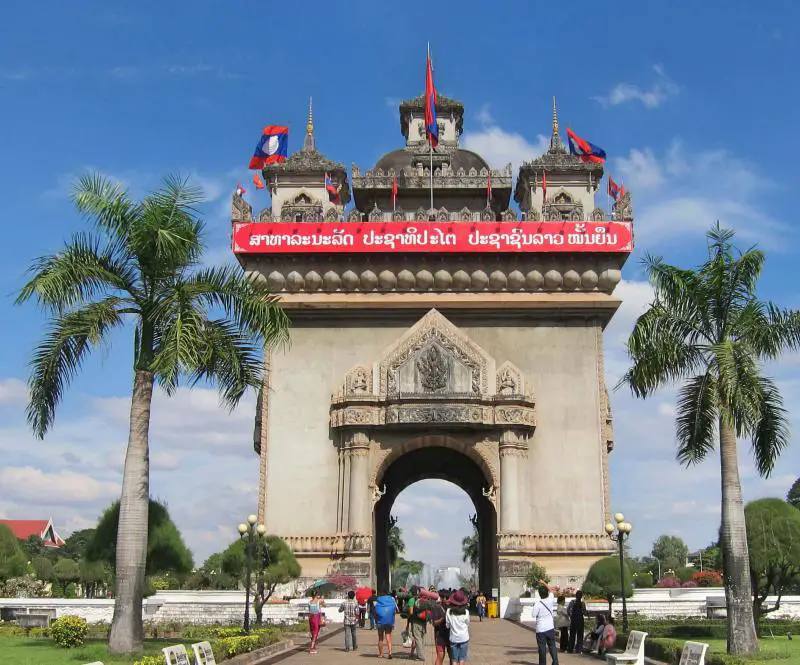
493,609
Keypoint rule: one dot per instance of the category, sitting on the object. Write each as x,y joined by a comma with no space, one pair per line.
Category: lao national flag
588,152
615,191
332,189
431,127
272,148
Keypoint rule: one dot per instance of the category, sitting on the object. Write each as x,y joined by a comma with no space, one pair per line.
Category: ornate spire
555,139
308,144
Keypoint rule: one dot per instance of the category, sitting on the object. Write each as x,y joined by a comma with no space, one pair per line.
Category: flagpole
608,196
430,141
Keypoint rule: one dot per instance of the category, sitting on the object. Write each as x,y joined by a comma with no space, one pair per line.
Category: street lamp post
252,531
618,534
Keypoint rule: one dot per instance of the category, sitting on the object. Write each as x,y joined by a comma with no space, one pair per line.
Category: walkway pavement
492,642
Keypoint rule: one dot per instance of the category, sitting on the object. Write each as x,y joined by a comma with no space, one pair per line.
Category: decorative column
360,505
511,445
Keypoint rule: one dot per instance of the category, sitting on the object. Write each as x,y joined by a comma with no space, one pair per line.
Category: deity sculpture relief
507,385
490,493
360,381
377,493
432,367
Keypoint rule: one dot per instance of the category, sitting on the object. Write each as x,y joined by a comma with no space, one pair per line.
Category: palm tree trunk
742,638
127,632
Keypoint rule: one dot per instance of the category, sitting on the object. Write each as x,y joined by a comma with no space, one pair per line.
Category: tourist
609,637
371,609
544,613
441,633
350,609
457,620
593,639
417,623
315,618
385,610
576,610
480,605
562,623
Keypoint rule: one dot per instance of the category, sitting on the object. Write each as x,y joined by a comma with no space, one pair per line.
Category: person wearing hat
417,609
457,620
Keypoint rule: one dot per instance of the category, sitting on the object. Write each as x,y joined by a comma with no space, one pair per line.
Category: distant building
44,529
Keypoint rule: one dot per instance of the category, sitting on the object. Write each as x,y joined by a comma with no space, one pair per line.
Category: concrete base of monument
564,570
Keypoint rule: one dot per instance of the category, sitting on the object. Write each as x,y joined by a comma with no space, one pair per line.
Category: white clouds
425,533
13,391
659,92
31,484
499,147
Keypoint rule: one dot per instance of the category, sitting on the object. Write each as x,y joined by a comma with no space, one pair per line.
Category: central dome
399,160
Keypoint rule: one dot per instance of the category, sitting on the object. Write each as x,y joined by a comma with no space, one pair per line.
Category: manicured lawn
42,651
778,651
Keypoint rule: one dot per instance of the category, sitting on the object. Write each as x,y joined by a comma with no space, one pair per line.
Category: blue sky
694,103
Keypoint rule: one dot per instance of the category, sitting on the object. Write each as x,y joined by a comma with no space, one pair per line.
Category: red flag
431,126
544,187
394,192
258,182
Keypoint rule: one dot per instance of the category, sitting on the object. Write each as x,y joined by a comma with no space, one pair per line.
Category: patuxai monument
437,333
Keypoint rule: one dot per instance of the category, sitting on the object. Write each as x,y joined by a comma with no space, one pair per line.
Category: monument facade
459,340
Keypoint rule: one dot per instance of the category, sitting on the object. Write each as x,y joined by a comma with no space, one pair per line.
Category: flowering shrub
691,584
26,586
668,583
150,660
343,582
707,578
69,631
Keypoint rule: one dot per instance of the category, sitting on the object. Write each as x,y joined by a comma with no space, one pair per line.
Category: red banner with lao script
439,237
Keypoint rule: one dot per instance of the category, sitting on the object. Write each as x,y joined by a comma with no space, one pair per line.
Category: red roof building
44,529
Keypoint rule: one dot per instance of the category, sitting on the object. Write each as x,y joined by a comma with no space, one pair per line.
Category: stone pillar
360,506
510,449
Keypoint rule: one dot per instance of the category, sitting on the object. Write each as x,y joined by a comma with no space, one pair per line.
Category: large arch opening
447,464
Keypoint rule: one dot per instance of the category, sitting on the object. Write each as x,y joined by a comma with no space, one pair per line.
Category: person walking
441,633
315,605
351,611
385,611
458,624
417,623
562,624
371,609
576,611
480,605
544,613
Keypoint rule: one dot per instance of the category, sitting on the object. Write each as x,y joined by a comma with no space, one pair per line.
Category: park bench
694,653
176,655
203,654
634,651
28,621
97,662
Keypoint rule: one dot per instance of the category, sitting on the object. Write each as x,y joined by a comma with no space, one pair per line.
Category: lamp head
609,528
261,529
619,517
252,519
626,527
242,529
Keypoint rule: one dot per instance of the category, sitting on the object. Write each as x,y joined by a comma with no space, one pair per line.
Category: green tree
773,538
166,551
404,569
43,568
603,580
793,495
93,576
13,562
33,547
470,549
141,267
66,572
396,545
671,551
537,575
74,546
707,328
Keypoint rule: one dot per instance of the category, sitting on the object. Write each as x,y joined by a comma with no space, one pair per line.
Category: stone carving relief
241,210
562,207
442,215
377,493
433,368
358,381
491,494
376,214
332,215
598,215
398,215
265,216
354,216
623,209
421,214
508,216
509,380
488,215
303,208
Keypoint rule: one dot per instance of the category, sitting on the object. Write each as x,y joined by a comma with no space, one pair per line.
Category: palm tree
140,267
396,544
707,329
470,548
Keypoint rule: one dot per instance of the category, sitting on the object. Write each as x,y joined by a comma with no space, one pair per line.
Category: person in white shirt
544,613
457,620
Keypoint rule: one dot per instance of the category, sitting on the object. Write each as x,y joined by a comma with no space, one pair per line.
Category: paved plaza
492,642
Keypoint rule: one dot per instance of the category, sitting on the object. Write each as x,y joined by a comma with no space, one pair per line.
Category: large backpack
385,608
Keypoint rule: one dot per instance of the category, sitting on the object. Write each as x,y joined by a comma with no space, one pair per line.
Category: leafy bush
150,660
26,586
643,580
668,582
693,628
669,651
228,647
684,574
227,631
707,578
69,631
537,575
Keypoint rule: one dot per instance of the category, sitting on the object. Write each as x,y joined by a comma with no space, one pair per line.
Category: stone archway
433,461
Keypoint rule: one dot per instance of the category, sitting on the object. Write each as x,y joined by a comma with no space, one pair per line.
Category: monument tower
461,342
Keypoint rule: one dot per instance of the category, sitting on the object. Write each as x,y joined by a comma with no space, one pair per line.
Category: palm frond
248,303
106,203
768,329
771,431
60,354
82,271
663,348
696,420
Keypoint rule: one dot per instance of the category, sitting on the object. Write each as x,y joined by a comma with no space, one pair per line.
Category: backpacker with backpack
385,608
